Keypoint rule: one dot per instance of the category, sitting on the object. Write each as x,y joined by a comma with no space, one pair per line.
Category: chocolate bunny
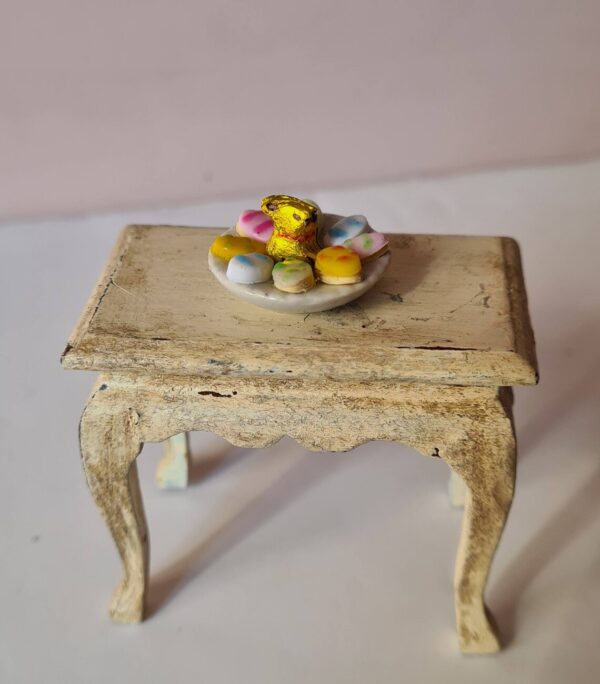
294,227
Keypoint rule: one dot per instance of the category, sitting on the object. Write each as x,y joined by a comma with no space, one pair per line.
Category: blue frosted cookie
248,269
345,229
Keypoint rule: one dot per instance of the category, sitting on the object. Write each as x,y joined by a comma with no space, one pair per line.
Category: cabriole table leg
109,444
173,469
486,463
457,490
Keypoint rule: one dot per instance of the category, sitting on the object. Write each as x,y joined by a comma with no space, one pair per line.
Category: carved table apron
165,371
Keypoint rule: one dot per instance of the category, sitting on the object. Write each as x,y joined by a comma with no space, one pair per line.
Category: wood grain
423,359
469,427
449,310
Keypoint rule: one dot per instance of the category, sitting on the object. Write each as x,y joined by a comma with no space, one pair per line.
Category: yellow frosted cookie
338,266
227,246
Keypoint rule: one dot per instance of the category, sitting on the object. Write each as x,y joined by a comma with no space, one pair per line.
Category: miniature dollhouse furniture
427,358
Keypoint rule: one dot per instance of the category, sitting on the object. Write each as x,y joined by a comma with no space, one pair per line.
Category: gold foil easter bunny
294,227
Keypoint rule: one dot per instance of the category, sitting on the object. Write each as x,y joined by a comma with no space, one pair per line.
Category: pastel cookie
293,275
254,225
227,246
338,265
250,268
345,229
368,246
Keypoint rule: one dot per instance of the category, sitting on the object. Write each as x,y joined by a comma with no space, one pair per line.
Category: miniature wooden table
426,358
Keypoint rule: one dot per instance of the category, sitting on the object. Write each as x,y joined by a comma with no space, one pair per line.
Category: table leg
110,443
173,469
457,490
487,467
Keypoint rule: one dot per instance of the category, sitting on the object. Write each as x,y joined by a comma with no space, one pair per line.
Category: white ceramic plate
321,298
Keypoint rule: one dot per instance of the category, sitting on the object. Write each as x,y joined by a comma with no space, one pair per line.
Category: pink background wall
128,102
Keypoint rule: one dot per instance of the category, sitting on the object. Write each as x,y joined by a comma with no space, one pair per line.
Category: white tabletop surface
286,567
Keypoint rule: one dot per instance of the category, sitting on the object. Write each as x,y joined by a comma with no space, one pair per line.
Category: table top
449,310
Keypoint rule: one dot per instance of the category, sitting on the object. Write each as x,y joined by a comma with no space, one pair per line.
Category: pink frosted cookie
368,245
254,225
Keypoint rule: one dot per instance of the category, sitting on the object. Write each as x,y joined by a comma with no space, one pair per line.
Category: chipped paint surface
157,309
419,360
469,427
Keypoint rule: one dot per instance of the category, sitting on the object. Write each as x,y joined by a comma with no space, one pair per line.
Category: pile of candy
284,240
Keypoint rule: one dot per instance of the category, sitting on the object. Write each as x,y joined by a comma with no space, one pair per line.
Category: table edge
87,351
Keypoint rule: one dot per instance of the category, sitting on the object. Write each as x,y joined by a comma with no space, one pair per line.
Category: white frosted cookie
345,229
250,268
293,275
